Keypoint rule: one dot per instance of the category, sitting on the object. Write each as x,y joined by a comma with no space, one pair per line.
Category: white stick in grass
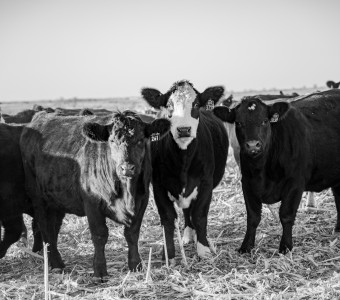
149,267
165,250
46,271
180,242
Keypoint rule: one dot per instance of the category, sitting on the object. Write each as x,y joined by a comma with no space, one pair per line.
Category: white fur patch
182,100
252,107
189,235
203,251
184,202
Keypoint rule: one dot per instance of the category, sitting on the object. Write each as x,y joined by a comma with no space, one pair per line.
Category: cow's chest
264,189
182,183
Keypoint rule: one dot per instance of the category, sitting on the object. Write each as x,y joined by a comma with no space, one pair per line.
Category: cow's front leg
254,208
200,211
132,234
99,235
288,210
168,215
189,234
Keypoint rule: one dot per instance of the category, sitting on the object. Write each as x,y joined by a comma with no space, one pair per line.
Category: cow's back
323,114
62,161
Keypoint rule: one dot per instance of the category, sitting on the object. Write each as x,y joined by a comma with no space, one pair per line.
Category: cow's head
127,136
253,121
181,104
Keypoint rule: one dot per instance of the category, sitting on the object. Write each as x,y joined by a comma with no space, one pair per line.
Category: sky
97,49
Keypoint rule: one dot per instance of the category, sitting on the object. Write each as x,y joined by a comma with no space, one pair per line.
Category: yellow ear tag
274,118
210,105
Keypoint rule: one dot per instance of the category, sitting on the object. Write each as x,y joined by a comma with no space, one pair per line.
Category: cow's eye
238,124
140,143
265,122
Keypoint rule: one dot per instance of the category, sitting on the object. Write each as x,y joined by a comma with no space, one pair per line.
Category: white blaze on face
182,100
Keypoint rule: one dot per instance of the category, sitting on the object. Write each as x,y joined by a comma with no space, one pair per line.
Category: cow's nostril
184,131
253,146
127,169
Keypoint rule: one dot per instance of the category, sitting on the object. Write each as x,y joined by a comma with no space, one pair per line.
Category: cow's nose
184,131
253,146
127,169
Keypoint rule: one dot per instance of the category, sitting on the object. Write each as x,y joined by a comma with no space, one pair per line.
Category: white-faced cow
13,198
94,166
188,162
286,148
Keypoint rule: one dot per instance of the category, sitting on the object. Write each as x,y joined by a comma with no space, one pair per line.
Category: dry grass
309,272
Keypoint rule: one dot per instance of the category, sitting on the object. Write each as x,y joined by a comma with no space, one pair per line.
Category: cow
85,111
188,162
25,116
286,148
229,102
13,198
333,85
96,167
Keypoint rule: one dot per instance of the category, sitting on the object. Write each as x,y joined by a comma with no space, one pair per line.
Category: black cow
13,199
333,85
188,162
230,102
82,112
98,167
25,116
286,148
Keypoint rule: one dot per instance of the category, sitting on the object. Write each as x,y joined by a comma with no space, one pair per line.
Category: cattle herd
100,164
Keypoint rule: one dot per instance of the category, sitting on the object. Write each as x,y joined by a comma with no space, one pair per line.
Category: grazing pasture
311,271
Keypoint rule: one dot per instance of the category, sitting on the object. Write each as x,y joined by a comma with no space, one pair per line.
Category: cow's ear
277,111
213,93
97,132
157,129
225,113
154,97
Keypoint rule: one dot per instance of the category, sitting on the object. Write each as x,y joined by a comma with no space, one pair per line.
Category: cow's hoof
189,235
99,280
57,271
136,266
285,249
203,251
243,250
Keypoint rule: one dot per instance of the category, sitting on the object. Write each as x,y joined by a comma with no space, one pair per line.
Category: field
310,271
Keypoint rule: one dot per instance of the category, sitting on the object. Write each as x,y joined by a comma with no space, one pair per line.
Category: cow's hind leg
189,234
47,219
99,235
13,228
336,193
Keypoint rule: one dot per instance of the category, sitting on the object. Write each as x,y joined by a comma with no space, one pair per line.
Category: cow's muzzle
184,131
253,148
127,170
